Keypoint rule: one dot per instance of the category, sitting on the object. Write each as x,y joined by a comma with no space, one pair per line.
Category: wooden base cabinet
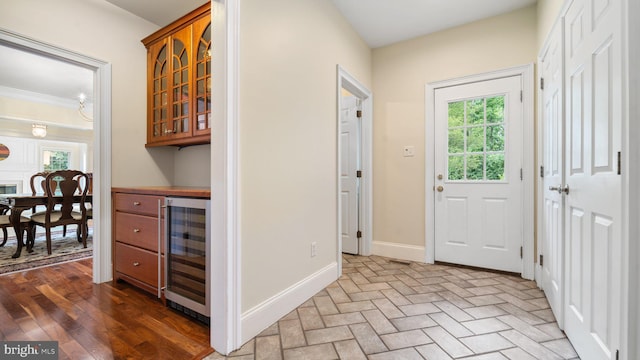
139,233
138,247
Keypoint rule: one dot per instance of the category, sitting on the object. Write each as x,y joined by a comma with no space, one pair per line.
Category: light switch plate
408,151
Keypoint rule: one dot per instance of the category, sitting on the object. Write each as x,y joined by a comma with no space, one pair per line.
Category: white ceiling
159,12
33,73
379,23
384,22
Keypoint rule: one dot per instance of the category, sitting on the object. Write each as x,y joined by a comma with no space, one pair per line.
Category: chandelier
39,130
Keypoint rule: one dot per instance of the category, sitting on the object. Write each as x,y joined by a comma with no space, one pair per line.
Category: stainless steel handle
560,189
160,287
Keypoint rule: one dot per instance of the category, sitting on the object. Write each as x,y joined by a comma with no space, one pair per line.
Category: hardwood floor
94,321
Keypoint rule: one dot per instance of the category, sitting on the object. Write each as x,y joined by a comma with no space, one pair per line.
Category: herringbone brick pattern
381,309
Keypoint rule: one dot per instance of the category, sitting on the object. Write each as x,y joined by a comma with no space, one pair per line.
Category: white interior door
349,166
594,203
552,244
478,170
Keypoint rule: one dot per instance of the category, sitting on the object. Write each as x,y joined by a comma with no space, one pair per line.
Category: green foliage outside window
476,139
56,160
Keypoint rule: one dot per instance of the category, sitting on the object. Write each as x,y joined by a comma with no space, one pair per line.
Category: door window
476,138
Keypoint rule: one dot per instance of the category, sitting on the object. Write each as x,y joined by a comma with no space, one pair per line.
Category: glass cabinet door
180,92
202,44
159,95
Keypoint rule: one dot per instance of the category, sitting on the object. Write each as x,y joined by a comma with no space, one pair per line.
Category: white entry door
552,244
349,180
594,202
478,169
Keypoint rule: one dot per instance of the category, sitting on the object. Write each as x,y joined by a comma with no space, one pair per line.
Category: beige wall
400,74
548,11
100,30
289,50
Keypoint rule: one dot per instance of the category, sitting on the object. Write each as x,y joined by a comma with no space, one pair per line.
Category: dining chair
37,187
89,205
69,184
5,223
37,183
4,209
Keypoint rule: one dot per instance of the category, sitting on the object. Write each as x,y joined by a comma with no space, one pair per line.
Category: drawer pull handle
136,203
136,264
136,230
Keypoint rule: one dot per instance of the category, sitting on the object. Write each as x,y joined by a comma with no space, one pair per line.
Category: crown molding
31,96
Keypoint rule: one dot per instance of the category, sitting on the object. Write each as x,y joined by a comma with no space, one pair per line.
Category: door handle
560,189
440,188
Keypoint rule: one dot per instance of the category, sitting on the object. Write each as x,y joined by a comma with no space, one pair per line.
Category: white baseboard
263,315
399,251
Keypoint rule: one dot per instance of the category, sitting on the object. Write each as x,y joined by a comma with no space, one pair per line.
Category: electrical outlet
314,249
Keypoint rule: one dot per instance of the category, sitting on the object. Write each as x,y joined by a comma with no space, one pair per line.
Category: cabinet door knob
136,230
136,203
136,264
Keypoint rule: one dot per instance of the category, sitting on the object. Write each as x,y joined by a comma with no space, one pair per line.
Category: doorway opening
100,142
354,193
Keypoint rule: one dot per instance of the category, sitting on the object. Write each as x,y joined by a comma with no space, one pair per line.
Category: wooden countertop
183,191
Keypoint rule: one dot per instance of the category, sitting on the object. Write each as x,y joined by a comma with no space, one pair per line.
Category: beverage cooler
187,256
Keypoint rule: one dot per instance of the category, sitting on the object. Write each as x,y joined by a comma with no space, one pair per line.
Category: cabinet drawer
138,204
138,263
137,230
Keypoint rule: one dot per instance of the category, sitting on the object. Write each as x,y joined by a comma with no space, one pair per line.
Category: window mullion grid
465,130
484,140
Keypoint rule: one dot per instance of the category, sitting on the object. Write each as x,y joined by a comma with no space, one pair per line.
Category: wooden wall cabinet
179,81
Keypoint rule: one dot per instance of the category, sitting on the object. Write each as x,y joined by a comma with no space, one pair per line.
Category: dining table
21,202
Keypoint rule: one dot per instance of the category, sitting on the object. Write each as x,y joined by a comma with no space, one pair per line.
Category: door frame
226,261
101,140
526,73
350,83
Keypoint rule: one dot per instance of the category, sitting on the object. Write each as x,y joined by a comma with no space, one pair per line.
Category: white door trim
526,72
350,83
101,141
226,261
631,183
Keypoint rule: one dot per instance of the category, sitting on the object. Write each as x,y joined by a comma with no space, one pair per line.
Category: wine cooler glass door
187,251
